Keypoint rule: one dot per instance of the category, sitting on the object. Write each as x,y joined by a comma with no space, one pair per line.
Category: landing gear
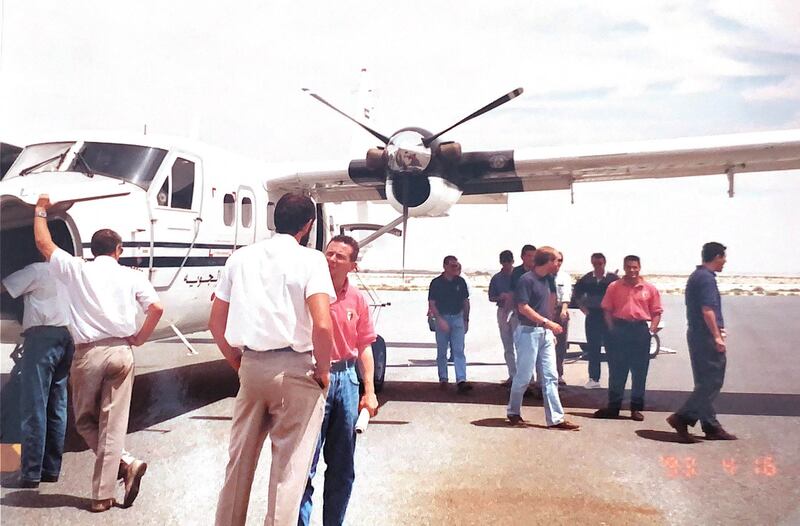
655,345
379,354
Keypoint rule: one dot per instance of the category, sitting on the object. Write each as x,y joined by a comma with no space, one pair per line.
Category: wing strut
730,173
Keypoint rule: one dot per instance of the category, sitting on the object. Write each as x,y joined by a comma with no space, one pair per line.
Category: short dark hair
631,257
506,256
349,241
712,250
292,212
448,259
544,256
598,255
527,248
105,242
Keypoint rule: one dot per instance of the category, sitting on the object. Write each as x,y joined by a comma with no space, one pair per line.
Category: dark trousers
596,336
708,369
628,349
561,347
45,367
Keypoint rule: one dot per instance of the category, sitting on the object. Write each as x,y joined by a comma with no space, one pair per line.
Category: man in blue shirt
448,304
535,341
501,293
707,348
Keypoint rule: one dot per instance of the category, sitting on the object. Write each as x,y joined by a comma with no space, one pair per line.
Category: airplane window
228,209
182,184
163,195
135,164
247,212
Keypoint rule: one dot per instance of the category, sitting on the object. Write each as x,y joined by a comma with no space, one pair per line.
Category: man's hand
554,327
564,315
44,202
370,402
654,330
442,324
322,377
134,340
720,343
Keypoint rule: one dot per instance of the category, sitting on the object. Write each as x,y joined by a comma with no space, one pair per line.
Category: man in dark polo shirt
448,304
526,255
588,293
535,341
501,293
707,348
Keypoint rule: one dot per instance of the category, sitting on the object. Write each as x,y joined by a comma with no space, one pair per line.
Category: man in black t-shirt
448,304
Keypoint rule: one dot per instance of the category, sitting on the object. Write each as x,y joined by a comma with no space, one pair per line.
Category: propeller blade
379,136
489,107
405,225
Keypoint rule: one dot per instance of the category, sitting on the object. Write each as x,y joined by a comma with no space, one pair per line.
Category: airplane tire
379,354
655,345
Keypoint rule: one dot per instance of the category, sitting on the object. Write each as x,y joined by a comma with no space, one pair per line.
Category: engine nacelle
425,195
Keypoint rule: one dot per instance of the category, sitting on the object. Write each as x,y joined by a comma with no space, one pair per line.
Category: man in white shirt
44,369
104,300
271,312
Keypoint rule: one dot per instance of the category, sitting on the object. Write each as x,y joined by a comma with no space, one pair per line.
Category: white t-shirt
46,301
105,296
267,284
563,287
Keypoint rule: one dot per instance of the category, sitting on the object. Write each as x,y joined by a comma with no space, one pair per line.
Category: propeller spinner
410,152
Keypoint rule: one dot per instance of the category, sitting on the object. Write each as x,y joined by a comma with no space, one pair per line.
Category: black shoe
720,434
49,478
515,420
21,483
463,387
606,413
450,359
681,428
637,415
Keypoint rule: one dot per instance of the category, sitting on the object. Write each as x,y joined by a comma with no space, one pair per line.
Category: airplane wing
494,172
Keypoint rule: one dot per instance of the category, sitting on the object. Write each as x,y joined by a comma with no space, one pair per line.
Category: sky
593,72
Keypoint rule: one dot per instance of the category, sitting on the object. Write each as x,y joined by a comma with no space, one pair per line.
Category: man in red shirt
628,305
353,334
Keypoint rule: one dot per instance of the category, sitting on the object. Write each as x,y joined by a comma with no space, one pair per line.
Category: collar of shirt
341,293
106,260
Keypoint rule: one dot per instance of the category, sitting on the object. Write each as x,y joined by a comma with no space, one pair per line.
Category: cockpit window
39,158
135,164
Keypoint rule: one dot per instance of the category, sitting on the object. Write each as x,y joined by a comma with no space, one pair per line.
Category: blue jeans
43,400
455,340
536,346
338,436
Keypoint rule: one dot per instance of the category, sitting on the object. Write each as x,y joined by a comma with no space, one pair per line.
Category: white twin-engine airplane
183,207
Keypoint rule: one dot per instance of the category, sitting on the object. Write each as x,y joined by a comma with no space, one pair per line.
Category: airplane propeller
410,152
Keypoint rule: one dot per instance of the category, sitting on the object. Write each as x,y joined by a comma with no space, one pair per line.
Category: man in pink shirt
353,334
629,305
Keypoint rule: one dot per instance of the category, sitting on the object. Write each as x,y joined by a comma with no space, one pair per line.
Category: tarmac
438,457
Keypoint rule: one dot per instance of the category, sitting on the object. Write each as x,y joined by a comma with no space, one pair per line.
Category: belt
104,341
282,349
532,325
342,365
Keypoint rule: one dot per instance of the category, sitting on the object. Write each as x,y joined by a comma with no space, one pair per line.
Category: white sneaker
593,384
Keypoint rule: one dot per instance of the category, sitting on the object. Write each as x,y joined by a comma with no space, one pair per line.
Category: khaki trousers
278,396
102,380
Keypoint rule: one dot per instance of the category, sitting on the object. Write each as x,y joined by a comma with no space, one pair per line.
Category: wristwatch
41,213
